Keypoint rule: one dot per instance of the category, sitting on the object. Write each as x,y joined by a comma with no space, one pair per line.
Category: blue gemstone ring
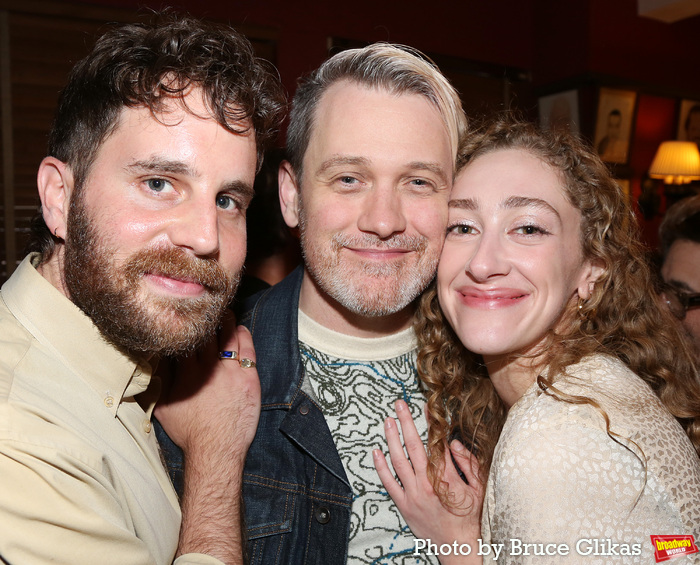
233,355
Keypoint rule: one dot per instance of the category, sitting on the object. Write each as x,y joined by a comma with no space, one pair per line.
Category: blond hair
398,69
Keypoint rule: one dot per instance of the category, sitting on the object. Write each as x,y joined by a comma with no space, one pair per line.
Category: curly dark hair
681,221
623,318
147,65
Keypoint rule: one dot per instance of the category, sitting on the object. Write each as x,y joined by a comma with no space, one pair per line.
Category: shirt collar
60,326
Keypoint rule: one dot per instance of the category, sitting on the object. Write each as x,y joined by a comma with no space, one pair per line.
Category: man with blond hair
371,154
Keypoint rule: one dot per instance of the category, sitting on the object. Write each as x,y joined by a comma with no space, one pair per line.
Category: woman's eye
531,230
157,185
461,229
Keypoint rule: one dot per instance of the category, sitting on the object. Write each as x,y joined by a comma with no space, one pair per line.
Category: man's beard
114,298
369,289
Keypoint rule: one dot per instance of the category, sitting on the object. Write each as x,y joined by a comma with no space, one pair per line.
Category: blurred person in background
679,233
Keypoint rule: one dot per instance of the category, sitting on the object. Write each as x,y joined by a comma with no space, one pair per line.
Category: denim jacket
297,496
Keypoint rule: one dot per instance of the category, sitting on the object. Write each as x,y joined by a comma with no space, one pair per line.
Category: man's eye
157,185
420,182
225,202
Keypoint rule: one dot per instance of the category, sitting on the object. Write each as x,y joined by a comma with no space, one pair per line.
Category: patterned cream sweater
356,381
557,477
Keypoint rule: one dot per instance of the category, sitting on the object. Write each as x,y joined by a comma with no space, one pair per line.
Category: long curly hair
624,317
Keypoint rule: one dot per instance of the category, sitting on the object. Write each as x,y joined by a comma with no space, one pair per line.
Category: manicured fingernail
388,423
376,454
400,406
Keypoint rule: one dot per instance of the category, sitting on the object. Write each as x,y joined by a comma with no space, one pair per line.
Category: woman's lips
491,298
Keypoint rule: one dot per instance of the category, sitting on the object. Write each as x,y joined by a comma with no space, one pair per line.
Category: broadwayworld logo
668,547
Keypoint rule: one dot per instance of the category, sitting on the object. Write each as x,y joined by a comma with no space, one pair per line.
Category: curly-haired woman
546,351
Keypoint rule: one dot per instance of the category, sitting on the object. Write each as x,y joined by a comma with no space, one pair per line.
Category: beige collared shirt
81,480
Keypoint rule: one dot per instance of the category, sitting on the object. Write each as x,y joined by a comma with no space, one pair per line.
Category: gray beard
378,289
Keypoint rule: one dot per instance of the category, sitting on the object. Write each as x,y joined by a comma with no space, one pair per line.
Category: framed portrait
560,111
689,121
614,121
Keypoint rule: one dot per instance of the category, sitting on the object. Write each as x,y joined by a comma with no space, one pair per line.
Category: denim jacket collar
283,370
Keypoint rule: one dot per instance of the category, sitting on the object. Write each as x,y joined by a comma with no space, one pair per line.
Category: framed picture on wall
689,121
560,111
614,121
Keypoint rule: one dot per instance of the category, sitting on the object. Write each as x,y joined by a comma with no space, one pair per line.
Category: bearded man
135,256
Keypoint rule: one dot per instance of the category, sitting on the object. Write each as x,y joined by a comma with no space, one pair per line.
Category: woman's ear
593,271
55,184
289,194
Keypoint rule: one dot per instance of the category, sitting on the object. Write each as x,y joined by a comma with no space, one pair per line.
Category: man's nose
382,212
195,226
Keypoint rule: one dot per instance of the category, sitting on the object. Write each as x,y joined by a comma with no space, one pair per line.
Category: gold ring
233,355
247,363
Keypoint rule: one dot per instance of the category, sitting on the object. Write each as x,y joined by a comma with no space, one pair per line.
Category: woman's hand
413,492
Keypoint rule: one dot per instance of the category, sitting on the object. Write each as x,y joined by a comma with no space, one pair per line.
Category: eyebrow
159,165
525,201
245,189
463,204
432,167
680,285
508,203
340,160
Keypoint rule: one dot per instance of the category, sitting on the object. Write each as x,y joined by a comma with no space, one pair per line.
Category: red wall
644,50
656,119
553,38
493,31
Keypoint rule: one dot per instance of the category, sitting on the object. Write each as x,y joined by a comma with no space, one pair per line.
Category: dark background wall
555,39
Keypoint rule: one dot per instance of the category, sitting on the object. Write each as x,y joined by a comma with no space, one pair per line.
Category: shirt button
147,426
109,401
303,410
322,515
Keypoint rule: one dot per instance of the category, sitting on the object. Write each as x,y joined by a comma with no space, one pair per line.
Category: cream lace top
558,478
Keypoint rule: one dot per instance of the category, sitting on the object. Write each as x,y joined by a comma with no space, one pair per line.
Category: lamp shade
676,162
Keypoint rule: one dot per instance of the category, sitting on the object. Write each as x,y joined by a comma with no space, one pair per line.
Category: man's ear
593,271
55,183
289,194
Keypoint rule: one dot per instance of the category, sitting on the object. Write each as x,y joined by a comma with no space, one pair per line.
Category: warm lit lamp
677,162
